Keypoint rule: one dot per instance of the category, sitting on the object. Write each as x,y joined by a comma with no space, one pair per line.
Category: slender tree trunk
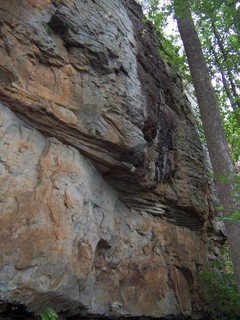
220,70
212,124
224,79
224,55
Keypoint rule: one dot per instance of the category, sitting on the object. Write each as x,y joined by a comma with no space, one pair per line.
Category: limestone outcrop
105,207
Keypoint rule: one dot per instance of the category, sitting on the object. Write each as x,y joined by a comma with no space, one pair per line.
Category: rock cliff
105,203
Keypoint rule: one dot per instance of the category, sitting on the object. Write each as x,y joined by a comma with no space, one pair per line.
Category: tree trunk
212,124
224,55
217,63
225,83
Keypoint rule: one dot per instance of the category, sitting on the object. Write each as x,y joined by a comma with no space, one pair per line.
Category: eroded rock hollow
105,203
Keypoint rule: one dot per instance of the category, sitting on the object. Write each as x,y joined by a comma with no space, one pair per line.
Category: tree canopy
218,26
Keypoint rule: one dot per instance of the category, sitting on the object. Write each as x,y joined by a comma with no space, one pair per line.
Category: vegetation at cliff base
220,289
48,314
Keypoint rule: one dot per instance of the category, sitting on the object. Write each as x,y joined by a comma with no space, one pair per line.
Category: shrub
48,314
220,288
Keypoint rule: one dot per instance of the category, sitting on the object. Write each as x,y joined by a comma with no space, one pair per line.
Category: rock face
105,205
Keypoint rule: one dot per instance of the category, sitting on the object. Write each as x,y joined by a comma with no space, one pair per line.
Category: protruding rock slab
67,240
89,73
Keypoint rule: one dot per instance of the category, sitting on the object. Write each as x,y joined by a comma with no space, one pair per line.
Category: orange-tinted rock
104,199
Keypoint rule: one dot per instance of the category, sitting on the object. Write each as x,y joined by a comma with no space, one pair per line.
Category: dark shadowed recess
11,311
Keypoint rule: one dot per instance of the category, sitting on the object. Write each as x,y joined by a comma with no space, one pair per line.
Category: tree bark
213,128
217,63
224,55
231,99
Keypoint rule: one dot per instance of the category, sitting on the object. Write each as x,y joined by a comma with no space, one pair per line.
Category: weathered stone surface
89,74
104,201
67,240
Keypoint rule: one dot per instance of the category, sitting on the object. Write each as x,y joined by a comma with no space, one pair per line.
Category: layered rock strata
105,204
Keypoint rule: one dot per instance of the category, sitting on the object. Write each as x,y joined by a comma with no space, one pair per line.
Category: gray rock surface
104,202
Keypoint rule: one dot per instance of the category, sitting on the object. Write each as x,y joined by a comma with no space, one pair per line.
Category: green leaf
219,207
48,314
235,216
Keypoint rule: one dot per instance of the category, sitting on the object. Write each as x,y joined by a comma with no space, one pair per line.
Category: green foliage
218,26
220,288
181,8
232,129
169,48
48,314
234,216
169,51
219,207
235,182
218,29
